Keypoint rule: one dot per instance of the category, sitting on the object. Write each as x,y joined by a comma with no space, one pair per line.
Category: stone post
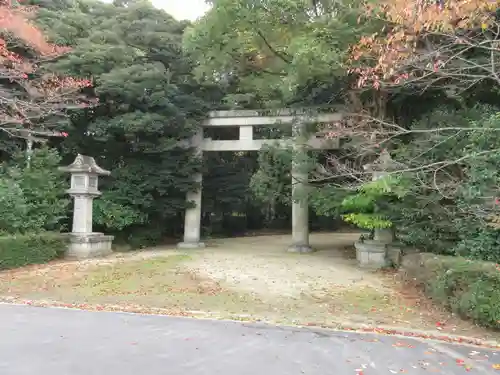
300,202
84,243
192,218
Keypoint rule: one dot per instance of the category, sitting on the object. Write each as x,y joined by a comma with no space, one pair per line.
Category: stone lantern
84,243
382,166
381,250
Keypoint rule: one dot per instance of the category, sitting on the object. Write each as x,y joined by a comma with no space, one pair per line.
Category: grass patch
361,301
157,283
147,277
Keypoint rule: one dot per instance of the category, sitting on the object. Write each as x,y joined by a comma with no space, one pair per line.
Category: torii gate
246,120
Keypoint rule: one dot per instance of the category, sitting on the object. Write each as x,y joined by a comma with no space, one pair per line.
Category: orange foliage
44,95
407,25
16,21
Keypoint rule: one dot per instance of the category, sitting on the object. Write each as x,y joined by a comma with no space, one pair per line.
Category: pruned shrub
19,250
471,289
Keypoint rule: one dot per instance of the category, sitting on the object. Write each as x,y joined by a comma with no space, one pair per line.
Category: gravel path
260,265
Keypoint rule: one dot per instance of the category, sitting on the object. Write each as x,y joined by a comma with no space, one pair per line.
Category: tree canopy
34,101
276,48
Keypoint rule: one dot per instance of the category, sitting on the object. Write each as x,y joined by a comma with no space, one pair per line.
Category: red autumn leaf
395,47
39,95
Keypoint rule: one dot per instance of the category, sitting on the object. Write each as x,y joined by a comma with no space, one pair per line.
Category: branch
279,54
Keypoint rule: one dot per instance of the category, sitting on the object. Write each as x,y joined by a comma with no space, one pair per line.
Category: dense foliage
459,192
279,51
149,102
469,288
367,208
33,248
32,198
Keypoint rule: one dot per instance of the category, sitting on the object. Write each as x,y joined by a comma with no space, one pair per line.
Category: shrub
368,207
32,198
469,288
23,249
481,244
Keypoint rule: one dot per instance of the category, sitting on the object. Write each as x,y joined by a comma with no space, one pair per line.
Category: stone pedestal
371,254
384,235
380,252
387,237
394,254
84,243
89,245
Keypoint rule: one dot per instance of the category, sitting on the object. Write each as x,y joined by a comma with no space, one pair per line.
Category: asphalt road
49,341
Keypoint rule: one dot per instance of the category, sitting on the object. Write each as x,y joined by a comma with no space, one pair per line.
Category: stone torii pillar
192,218
84,243
300,201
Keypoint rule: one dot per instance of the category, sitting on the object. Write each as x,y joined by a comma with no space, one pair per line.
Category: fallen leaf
496,366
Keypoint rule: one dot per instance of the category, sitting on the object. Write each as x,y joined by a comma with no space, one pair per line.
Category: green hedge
469,288
23,249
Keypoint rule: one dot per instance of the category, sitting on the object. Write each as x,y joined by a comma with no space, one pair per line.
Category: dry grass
159,283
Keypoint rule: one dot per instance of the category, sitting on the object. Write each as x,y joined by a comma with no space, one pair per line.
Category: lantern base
371,254
89,245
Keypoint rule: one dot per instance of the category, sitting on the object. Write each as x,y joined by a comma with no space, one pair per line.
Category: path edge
245,319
